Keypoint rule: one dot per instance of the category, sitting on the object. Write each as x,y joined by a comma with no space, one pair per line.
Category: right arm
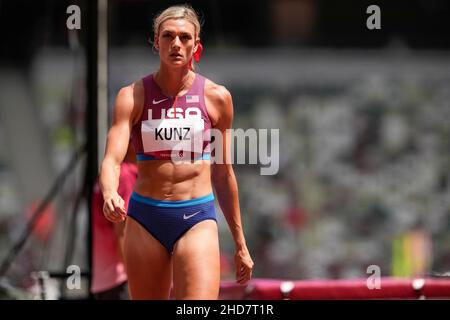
125,111
126,185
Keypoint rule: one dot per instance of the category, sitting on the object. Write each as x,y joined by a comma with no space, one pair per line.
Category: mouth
176,55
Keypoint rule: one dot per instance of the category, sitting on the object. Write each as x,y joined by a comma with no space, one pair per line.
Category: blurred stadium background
363,115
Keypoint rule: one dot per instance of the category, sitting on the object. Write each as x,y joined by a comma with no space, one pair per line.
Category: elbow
107,164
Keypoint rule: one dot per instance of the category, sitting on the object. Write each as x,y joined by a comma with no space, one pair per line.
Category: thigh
147,262
196,263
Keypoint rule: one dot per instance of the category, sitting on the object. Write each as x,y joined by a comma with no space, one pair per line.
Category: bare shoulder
216,92
218,102
130,100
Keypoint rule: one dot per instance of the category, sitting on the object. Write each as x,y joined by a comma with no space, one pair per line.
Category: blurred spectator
411,253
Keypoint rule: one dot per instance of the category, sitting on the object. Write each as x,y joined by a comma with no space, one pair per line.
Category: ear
197,41
156,42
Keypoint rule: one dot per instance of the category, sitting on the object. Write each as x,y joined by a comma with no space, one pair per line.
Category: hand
244,265
114,208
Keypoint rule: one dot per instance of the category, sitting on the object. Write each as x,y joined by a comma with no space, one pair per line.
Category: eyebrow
172,31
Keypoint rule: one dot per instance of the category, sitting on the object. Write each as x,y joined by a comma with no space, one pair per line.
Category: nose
176,42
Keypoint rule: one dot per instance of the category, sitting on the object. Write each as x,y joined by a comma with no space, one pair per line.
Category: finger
242,277
113,219
240,281
246,273
107,212
116,203
122,203
109,205
121,211
118,216
119,206
115,213
113,216
238,268
244,269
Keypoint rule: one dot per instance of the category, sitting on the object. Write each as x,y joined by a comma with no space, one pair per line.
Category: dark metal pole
91,120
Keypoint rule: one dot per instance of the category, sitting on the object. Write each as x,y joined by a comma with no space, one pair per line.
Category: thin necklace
183,84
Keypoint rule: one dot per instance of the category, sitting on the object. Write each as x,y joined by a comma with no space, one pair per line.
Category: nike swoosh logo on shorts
185,217
158,101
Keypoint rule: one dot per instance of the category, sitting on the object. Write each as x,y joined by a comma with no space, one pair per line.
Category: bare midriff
172,181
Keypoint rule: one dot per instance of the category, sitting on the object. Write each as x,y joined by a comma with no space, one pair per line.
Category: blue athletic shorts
167,221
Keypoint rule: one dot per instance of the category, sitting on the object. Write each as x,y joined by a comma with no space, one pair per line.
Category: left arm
225,184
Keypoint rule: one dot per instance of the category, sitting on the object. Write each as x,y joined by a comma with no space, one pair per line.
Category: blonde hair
177,12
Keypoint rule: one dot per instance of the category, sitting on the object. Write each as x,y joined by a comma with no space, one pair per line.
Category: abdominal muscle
166,180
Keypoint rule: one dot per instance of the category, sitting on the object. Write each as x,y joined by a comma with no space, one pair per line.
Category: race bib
173,134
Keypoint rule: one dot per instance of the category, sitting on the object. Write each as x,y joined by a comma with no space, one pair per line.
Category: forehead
177,25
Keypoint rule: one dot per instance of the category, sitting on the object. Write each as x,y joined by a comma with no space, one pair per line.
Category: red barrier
390,288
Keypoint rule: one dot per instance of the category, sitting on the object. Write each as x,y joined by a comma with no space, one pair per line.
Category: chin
177,64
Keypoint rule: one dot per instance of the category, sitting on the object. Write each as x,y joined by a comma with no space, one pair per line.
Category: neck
173,81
